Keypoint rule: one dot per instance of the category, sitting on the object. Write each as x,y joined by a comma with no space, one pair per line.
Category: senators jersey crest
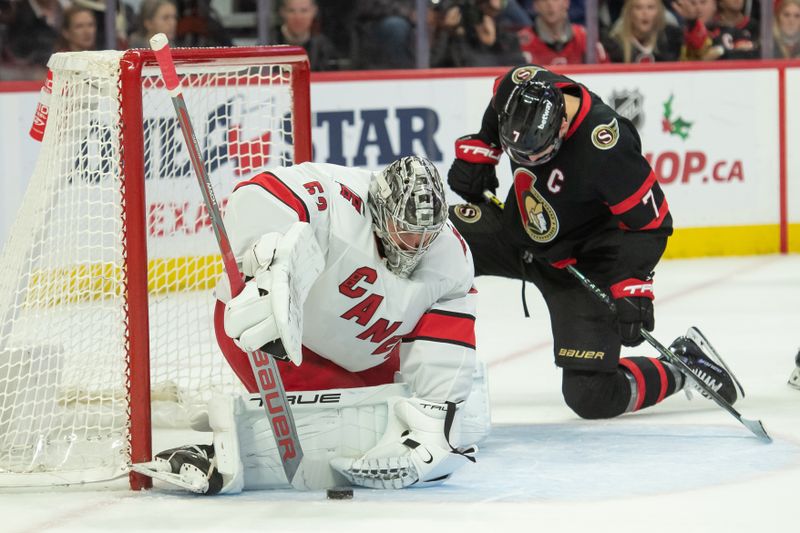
538,216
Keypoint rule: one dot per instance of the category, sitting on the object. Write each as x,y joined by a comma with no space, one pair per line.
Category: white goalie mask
408,209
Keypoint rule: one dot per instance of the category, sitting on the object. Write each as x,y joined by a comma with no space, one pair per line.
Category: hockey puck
340,493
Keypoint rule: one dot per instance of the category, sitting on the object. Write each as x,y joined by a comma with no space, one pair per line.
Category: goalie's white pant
330,423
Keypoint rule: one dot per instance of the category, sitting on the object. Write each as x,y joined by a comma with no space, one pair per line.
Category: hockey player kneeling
364,281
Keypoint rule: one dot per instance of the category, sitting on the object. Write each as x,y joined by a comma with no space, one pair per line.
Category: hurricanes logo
523,74
468,213
605,136
538,216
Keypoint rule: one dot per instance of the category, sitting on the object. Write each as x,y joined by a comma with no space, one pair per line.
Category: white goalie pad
330,423
794,379
474,423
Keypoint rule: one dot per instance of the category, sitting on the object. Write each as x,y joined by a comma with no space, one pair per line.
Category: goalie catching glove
270,307
414,450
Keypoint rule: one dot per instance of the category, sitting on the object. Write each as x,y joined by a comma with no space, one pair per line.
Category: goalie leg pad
794,379
475,422
330,423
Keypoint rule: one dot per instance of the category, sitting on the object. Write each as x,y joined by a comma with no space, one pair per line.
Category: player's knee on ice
594,395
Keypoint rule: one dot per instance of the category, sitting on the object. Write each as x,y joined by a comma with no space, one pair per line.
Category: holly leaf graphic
681,128
668,107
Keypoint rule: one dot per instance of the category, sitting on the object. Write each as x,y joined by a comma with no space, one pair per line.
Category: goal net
107,276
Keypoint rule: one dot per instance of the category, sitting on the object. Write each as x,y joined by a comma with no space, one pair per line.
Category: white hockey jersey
357,311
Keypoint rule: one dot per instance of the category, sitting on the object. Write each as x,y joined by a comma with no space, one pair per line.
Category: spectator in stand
706,10
449,47
32,32
383,35
552,39
734,34
642,35
492,43
199,25
121,23
514,15
577,9
696,15
787,29
470,33
297,28
78,30
155,16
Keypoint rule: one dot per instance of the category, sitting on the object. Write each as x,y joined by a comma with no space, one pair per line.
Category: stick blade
757,428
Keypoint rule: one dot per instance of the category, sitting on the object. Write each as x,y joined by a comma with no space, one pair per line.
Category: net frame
133,211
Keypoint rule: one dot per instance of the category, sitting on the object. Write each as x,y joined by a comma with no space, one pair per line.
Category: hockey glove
414,450
473,170
634,304
284,267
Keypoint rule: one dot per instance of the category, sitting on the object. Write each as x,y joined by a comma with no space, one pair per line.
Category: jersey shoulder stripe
280,190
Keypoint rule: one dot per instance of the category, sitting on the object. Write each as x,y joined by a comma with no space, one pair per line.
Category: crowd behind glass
389,34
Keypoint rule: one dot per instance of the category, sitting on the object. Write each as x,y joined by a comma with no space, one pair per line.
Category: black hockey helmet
530,122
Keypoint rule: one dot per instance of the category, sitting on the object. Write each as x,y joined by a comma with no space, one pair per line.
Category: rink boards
716,137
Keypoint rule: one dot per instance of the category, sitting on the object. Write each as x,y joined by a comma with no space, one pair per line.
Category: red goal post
105,296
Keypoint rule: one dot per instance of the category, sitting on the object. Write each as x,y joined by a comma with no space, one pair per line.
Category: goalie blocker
345,433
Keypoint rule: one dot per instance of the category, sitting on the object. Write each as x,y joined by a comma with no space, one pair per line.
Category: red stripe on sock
639,377
662,375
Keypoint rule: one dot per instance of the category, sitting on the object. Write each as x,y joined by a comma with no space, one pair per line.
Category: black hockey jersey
598,185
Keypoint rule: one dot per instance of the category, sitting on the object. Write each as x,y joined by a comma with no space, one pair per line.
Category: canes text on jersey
380,332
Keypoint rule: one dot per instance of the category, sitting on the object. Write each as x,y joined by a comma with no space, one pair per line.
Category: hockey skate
707,366
794,379
190,467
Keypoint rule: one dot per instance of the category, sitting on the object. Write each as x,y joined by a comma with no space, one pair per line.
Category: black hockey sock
654,380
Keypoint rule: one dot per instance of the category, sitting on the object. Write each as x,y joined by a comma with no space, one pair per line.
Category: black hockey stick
265,371
755,426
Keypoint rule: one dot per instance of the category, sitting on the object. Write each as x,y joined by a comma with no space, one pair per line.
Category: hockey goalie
368,289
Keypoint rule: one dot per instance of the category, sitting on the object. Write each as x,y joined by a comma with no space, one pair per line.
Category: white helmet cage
409,210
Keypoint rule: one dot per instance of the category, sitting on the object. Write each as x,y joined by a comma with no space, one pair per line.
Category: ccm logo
277,413
480,150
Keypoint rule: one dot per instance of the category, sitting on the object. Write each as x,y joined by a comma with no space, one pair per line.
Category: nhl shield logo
537,215
629,104
468,213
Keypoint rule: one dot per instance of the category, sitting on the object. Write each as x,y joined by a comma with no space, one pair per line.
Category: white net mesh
63,347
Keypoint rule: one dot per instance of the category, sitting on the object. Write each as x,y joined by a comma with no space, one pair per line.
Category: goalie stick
755,426
265,371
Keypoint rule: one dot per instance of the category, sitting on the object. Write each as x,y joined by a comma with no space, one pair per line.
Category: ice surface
678,467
